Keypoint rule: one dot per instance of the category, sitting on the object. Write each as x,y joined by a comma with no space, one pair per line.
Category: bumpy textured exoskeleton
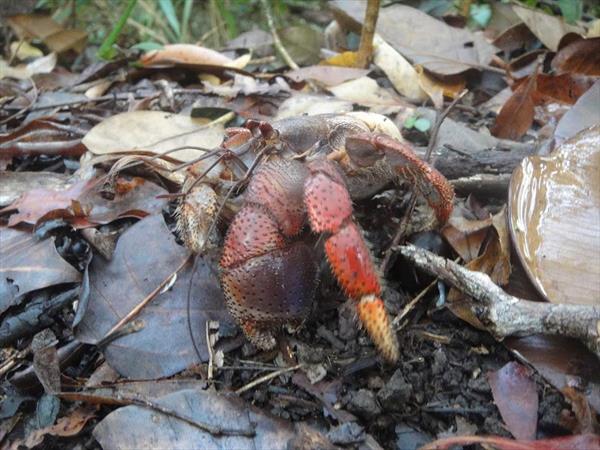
268,275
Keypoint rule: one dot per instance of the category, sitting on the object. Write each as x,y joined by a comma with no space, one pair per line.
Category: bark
505,315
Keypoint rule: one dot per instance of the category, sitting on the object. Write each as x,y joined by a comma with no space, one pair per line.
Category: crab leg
365,148
330,211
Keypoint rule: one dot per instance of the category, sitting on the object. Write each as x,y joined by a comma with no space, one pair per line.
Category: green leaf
106,50
410,122
422,124
147,46
480,14
571,9
169,10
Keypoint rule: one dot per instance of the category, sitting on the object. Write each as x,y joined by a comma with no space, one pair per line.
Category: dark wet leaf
516,397
137,427
28,264
303,43
146,257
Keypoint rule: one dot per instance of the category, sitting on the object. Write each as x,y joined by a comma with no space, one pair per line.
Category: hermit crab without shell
300,171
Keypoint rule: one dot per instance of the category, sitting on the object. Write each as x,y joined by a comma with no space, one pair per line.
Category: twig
210,351
410,305
136,310
267,377
505,315
26,108
276,41
438,123
212,429
365,49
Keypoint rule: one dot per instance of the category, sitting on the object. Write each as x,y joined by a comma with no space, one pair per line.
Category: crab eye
362,151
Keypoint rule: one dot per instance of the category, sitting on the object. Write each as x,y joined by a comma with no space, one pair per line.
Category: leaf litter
143,310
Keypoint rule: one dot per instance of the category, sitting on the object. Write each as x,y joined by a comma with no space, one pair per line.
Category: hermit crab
302,173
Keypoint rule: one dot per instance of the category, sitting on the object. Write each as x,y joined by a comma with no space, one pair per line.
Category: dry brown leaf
516,116
45,28
153,131
399,71
581,56
548,29
185,54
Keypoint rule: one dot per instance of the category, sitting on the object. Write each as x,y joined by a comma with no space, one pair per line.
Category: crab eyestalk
330,211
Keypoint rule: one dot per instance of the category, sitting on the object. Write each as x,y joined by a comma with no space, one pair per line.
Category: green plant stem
106,50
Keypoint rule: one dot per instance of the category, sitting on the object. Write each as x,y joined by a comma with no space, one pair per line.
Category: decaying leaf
516,116
400,72
45,28
82,203
68,425
554,211
516,397
28,264
548,29
581,56
147,256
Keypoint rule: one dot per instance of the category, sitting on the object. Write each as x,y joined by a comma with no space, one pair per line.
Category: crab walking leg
330,210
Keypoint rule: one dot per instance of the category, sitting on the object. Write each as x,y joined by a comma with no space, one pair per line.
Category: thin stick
438,123
267,377
365,50
276,41
136,310
212,429
25,109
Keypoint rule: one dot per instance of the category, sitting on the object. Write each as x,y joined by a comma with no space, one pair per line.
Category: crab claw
330,210
365,149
